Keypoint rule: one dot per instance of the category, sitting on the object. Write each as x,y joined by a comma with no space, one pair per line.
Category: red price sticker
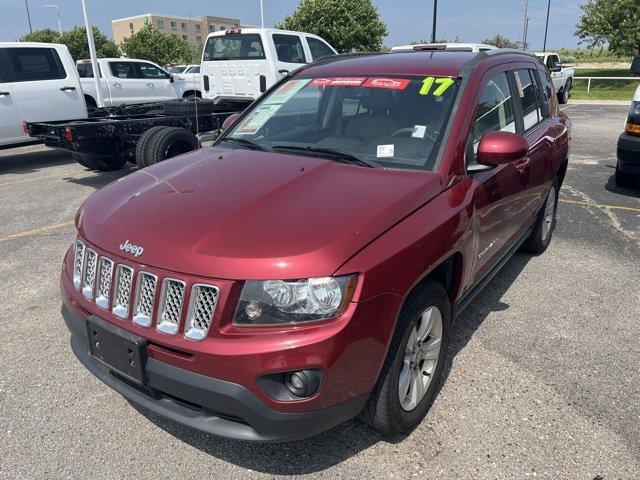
390,83
337,82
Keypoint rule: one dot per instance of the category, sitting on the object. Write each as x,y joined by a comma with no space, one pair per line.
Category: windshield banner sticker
257,119
285,92
337,82
391,83
442,85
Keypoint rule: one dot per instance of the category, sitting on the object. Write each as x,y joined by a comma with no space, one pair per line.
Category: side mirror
498,148
635,66
229,121
171,78
556,68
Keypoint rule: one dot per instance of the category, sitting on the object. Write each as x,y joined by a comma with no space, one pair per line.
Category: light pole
26,4
57,9
92,54
546,27
435,16
261,15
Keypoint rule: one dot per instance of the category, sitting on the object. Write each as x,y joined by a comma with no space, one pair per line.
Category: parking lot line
597,205
43,177
36,231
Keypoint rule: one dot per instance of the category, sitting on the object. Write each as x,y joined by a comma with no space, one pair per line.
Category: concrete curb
599,102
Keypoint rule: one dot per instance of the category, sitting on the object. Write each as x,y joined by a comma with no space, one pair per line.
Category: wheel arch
90,101
192,93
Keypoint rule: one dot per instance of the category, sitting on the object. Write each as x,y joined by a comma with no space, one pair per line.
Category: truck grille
134,295
171,306
201,308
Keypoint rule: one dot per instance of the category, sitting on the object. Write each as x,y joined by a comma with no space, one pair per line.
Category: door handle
523,165
284,71
116,84
150,84
4,94
67,89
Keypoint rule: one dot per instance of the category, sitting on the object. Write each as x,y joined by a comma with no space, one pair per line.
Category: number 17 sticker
443,84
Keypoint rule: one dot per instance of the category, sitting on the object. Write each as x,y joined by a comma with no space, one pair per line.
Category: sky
407,20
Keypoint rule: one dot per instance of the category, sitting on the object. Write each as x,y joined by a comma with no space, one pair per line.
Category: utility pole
435,17
261,15
26,4
58,12
92,53
546,27
526,21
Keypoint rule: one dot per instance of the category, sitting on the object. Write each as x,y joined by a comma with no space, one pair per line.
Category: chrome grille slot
105,273
89,274
145,295
78,263
122,293
170,307
202,306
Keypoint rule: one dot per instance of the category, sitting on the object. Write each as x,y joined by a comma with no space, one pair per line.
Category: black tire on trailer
141,146
102,164
188,106
169,142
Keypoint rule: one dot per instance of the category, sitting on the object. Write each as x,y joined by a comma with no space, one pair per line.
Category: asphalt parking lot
543,379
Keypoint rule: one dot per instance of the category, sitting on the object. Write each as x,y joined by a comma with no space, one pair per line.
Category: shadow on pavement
34,161
611,186
344,441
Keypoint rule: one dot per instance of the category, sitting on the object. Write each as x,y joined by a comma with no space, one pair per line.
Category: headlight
635,108
278,302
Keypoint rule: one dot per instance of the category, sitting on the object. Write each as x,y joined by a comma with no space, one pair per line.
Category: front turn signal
632,129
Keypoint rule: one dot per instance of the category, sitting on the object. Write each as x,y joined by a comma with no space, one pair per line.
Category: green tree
348,25
612,22
46,35
76,41
500,41
151,44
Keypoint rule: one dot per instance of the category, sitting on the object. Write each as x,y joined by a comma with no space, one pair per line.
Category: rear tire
141,146
563,96
169,142
540,237
102,164
187,106
624,180
390,408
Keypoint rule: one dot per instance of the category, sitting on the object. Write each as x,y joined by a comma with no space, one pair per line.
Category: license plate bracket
119,350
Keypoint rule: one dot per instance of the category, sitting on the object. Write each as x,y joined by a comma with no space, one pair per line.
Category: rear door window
289,48
32,64
234,47
123,69
318,48
529,98
147,70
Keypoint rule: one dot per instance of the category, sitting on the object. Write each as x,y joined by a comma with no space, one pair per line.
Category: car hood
243,214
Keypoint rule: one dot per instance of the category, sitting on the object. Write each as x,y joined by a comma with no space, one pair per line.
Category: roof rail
500,51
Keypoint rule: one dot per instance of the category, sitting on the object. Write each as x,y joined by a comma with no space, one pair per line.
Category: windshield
378,121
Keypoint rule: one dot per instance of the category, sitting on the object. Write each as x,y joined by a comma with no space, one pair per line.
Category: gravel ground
543,379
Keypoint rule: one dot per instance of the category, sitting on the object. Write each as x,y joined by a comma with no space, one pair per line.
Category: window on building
160,23
174,25
212,28
131,26
222,27
183,26
197,27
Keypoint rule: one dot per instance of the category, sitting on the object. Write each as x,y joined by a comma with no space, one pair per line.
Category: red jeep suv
309,267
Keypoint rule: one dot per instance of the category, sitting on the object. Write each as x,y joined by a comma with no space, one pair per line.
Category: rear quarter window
33,64
289,48
529,100
318,48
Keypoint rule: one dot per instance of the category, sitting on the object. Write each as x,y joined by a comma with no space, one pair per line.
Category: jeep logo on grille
128,247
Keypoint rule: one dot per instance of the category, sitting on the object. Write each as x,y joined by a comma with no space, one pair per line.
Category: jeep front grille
202,306
78,263
122,294
105,273
89,274
145,295
170,306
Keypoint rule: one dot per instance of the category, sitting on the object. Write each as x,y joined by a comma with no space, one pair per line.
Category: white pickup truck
561,75
241,63
127,81
38,83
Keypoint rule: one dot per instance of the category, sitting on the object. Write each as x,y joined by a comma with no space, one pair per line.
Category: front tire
413,368
624,180
540,237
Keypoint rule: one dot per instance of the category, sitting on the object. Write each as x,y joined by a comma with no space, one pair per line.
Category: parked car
458,47
561,74
189,81
177,69
310,266
38,82
127,81
242,63
628,151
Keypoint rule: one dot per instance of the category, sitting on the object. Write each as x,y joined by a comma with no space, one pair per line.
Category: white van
38,83
241,63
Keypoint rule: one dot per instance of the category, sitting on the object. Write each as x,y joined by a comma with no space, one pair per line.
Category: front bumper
214,406
628,153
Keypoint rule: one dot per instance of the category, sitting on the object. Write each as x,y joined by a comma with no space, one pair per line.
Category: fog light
303,383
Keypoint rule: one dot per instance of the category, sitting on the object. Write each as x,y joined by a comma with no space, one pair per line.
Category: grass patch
592,55
604,89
